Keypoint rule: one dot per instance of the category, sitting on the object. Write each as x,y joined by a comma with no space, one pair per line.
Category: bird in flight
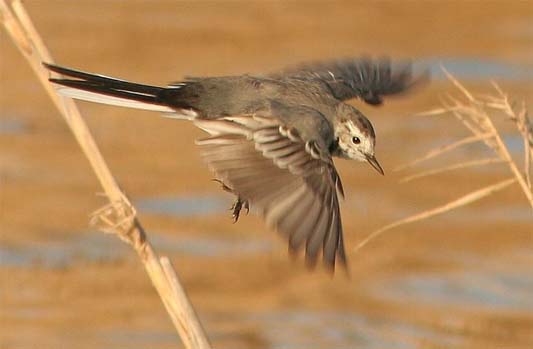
272,138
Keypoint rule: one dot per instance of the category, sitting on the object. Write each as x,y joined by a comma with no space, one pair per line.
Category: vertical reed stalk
119,215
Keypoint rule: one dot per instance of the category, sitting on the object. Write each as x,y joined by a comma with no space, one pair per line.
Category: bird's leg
236,208
238,204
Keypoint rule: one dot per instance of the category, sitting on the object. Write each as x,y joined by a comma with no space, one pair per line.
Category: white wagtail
272,138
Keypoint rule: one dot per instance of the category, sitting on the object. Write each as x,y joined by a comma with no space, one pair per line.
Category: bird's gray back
222,96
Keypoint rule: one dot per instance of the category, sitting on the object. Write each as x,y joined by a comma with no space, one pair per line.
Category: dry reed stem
119,215
522,122
485,122
473,114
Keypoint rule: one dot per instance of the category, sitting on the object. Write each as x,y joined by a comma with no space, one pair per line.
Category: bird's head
355,136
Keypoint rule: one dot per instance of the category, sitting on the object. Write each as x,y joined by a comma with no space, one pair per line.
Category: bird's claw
237,207
238,204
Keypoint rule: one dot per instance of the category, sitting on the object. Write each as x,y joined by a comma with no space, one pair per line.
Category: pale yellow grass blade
458,84
466,164
444,149
462,201
433,112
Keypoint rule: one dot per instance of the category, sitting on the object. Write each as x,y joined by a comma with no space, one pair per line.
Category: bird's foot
237,207
238,204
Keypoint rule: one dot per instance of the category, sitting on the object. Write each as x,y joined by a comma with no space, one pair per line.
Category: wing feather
364,78
286,178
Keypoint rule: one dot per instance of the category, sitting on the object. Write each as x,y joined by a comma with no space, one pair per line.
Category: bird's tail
102,89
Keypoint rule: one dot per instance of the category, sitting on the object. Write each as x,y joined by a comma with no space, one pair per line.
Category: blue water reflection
179,206
98,247
472,68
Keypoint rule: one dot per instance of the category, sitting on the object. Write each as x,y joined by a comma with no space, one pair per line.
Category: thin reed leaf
432,112
461,165
457,84
462,201
444,149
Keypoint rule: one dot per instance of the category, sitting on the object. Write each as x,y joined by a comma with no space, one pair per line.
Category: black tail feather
107,90
102,80
170,97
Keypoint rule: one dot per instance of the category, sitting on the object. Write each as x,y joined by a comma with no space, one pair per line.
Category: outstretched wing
362,78
290,179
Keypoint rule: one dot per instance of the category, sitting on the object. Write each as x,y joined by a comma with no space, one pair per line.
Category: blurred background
460,280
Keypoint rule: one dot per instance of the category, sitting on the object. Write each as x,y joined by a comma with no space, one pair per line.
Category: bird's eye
356,140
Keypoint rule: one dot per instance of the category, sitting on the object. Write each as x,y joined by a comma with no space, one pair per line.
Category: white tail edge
110,100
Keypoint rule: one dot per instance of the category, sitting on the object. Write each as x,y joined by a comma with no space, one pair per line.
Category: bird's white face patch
354,143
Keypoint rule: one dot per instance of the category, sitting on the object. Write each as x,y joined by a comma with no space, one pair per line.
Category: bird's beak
375,164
